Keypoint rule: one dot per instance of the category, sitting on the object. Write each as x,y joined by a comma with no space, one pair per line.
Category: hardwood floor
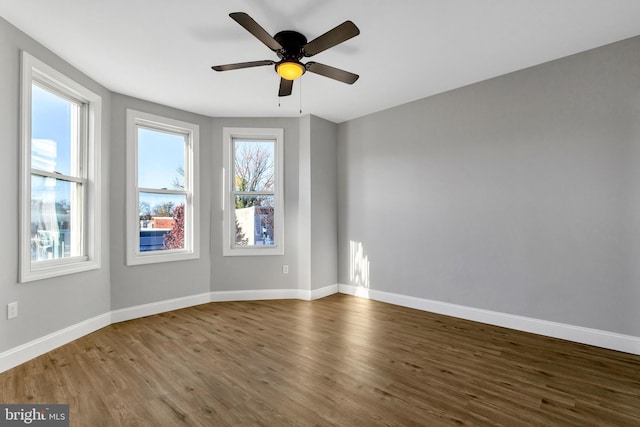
340,361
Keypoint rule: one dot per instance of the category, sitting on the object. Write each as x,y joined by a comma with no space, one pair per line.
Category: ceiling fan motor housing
292,43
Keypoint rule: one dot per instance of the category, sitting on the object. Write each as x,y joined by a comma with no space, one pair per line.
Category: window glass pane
254,220
254,168
54,132
161,221
56,218
160,159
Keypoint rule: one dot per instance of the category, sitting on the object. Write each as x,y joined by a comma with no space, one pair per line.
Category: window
162,196
60,170
253,205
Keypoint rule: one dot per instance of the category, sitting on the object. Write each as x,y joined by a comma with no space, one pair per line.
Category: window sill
161,256
254,251
56,269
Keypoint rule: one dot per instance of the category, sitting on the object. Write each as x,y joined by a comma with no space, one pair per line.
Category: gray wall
142,284
236,273
44,306
318,204
324,202
518,194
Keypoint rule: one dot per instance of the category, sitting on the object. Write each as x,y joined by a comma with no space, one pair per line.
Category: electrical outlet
12,310
285,269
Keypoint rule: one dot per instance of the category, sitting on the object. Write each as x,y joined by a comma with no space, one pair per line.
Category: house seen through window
162,197
254,179
253,213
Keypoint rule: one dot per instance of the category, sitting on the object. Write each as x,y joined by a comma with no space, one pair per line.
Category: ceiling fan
291,46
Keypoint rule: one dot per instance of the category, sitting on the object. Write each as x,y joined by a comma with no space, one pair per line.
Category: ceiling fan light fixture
290,70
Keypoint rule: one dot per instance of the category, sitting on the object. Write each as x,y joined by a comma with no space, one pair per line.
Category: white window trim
272,134
35,70
192,216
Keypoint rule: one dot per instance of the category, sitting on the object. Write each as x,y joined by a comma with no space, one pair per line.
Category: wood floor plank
338,361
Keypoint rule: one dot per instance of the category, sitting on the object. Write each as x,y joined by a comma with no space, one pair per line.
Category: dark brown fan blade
339,34
254,28
240,65
331,72
285,87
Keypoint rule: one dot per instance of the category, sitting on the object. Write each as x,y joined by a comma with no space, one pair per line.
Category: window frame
191,132
35,71
228,203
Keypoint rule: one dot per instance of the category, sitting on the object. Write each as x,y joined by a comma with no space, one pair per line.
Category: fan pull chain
300,103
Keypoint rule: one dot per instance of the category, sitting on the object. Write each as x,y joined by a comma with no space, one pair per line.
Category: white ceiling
162,50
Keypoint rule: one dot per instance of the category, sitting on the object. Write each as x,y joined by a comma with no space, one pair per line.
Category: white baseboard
25,352
158,307
270,294
322,292
255,295
595,337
